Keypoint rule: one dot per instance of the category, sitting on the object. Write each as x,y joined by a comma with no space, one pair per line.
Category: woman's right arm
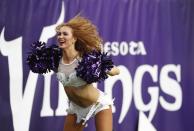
114,71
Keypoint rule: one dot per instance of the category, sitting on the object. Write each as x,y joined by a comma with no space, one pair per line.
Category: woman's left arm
114,71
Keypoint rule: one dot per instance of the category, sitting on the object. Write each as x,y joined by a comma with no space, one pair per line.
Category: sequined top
67,75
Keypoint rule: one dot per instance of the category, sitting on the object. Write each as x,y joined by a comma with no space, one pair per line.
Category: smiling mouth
62,41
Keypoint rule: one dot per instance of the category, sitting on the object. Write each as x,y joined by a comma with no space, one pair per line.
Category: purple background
165,27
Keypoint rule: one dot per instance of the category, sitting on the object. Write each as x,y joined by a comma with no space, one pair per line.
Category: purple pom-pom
94,66
43,59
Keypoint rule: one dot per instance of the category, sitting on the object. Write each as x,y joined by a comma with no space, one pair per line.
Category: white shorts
103,102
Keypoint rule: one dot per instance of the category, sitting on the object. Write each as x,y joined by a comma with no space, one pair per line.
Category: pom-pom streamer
94,66
42,59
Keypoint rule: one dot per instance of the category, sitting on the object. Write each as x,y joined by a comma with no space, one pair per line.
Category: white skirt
103,102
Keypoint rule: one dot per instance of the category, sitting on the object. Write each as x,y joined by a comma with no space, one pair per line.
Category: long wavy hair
85,31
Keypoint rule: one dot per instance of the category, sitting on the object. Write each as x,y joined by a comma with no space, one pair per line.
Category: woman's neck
70,55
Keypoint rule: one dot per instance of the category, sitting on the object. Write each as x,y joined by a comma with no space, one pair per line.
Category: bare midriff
83,96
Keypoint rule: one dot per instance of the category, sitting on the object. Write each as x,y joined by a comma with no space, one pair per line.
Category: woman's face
65,37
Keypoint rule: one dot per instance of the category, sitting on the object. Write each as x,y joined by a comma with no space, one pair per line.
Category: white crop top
67,74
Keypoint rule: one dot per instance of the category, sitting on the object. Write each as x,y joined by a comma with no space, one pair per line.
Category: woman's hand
114,71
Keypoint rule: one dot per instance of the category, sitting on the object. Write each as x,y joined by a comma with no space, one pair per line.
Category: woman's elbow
117,72
114,71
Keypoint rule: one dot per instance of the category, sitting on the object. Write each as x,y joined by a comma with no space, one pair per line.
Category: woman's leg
71,125
103,120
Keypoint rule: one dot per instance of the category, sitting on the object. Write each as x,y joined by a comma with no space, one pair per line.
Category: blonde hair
88,38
